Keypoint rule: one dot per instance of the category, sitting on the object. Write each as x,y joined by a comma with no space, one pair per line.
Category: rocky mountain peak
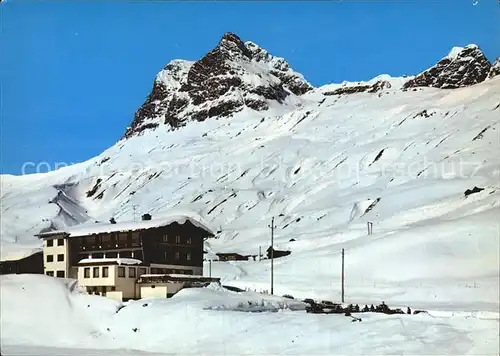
231,77
463,66
232,45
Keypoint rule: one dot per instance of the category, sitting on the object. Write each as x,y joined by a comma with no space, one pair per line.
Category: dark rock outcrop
230,77
352,89
495,69
294,81
461,68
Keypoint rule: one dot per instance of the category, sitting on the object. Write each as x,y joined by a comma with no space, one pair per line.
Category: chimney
112,221
146,217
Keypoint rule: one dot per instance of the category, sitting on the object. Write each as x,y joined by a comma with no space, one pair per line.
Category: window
60,242
86,272
121,272
188,256
142,271
106,239
105,271
50,258
188,241
155,270
95,272
113,288
60,274
50,273
122,237
177,256
60,257
125,254
177,239
166,255
131,272
50,243
165,238
111,255
188,271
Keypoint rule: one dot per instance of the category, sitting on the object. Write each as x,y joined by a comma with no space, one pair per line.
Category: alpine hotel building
111,259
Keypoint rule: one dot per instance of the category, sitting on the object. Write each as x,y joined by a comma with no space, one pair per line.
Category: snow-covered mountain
463,66
239,137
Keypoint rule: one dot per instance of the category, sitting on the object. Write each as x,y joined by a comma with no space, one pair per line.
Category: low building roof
16,252
156,278
118,261
87,229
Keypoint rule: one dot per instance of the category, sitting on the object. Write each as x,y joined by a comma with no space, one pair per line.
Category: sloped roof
98,228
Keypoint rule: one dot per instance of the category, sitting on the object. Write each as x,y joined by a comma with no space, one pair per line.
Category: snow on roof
96,228
145,278
120,261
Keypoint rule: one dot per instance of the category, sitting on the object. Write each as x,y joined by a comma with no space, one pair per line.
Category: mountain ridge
236,75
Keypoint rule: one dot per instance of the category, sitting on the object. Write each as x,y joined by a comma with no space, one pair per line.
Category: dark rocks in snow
94,189
495,68
281,69
480,135
353,89
424,113
371,206
473,191
461,68
379,155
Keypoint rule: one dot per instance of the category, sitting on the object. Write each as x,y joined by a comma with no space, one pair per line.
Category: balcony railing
108,245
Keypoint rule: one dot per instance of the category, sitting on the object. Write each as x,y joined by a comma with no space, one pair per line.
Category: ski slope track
323,162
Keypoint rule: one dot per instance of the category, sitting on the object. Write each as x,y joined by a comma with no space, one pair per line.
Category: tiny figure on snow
372,308
408,310
366,309
356,308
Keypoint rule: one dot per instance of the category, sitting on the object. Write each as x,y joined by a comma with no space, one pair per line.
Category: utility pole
272,255
260,253
342,276
210,268
370,227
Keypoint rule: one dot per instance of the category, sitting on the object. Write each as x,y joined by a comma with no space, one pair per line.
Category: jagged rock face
294,81
230,77
374,88
461,68
495,68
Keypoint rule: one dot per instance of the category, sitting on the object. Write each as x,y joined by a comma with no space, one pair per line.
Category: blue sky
73,73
